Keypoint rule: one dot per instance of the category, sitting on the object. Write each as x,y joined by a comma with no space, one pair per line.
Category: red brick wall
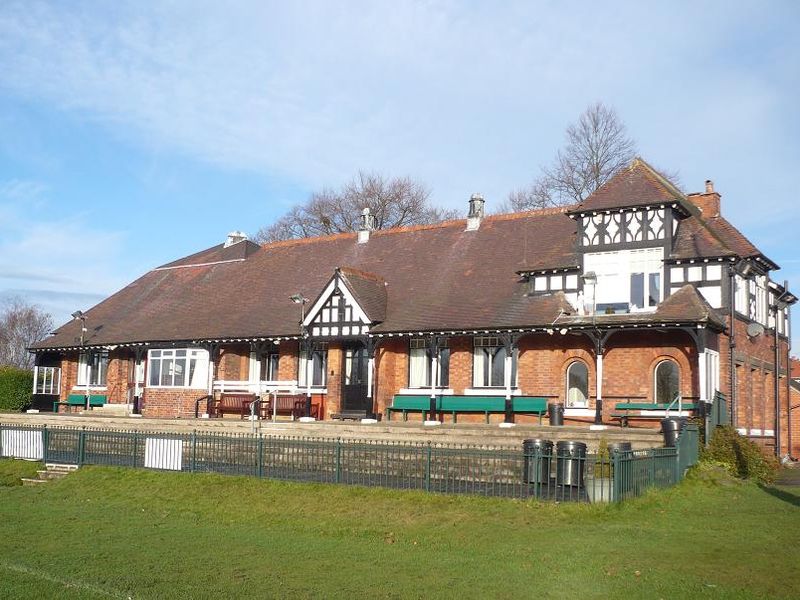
171,403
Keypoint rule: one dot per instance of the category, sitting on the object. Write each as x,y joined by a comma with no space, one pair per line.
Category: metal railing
718,416
483,470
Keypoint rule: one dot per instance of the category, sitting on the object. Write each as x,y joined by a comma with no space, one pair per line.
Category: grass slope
105,532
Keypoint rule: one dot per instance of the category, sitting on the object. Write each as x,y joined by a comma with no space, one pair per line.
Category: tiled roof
424,278
637,185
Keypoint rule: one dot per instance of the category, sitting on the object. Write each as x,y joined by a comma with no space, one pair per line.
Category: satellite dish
755,330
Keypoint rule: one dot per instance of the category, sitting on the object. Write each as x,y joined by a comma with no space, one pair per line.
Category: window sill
301,389
174,387
425,390
93,388
579,411
491,391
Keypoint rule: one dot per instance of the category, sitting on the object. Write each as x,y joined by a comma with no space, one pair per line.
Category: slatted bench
79,401
293,405
473,404
407,404
231,404
625,411
529,405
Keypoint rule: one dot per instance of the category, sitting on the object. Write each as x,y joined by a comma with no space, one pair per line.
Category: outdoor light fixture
589,278
301,300
79,316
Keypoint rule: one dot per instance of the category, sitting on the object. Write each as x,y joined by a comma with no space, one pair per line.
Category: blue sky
134,133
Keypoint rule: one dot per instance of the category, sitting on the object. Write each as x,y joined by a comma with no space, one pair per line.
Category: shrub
741,457
15,388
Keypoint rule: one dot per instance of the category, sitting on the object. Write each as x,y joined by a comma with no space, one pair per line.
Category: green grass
105,532
12,471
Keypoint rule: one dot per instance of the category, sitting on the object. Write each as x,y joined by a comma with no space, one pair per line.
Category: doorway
354,381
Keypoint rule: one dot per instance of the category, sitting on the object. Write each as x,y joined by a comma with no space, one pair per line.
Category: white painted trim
493,391
205,264
358,312
579,412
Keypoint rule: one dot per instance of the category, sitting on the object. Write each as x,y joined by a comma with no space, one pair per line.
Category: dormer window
627,280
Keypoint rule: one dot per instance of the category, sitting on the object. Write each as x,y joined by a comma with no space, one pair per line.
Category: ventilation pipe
476,212
366,226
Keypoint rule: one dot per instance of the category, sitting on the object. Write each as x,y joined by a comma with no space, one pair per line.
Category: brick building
639,295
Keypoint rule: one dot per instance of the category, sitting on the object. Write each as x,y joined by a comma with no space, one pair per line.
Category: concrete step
48,475
26,481
61,467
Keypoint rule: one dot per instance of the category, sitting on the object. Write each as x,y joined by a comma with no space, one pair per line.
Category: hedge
15,388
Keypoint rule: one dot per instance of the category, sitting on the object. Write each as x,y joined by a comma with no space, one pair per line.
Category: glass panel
444,367
318,367
667,381
577,384
655,289
419,368
498,367
637,290
155,372
272,366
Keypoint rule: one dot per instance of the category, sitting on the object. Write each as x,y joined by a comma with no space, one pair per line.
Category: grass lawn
105,532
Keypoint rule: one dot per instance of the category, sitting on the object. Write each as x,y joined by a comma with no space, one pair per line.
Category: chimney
708,202
234,237
476,212
367,225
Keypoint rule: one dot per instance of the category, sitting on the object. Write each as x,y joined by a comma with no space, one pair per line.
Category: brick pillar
333,402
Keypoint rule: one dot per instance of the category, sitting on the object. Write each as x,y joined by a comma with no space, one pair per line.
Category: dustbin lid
538,443
567,445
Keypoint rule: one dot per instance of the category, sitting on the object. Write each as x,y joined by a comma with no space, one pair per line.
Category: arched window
577,384
667,381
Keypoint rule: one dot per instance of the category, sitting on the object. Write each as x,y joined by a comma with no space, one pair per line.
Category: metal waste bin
556,413
619,447
538,456
671,428
570,462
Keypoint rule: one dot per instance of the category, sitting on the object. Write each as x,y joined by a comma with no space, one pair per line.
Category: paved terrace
461,433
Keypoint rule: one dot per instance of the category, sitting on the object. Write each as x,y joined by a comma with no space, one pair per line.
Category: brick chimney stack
708,202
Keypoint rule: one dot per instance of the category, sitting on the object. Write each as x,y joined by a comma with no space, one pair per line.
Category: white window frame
418,351
86,375
712,374
169,356
303,366
569,402
480,342
50,380
655,379
254,374
614,270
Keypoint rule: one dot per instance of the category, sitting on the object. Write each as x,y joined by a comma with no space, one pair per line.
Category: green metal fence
489,471
718,416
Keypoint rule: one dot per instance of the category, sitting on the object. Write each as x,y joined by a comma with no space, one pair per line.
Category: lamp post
783,300
590,278
302,300
79,316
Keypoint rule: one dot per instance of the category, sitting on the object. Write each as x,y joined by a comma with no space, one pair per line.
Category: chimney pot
476,212
234,237
709,186
367,225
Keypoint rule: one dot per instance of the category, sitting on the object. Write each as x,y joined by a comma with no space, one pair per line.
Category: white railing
679,400
256,387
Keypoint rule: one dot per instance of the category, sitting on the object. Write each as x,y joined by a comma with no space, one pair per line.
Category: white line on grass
68,583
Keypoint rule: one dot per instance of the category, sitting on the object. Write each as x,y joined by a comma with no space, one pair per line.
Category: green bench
407,404
625,411
79,400
467,404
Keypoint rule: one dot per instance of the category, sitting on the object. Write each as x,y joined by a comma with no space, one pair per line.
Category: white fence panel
161,453
21,444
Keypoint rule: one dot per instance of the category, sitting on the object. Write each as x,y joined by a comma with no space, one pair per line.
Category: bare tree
597,146
395,202
21,325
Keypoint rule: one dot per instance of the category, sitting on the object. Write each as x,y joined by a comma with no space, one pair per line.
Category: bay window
179,367
419,372
627,280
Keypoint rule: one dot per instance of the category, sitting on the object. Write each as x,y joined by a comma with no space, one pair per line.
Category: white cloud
51,260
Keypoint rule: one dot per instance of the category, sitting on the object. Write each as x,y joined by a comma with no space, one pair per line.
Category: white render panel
572,282
695,273
676,274
712,294
555,282
714,272
540,283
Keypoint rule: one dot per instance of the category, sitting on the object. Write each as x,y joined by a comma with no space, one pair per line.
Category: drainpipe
732,344
777,388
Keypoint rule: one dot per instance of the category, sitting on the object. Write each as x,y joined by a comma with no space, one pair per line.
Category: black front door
354,384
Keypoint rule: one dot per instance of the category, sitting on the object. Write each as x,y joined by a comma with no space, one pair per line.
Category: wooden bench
79,401
473,404
230,403
624,411
407,404
293,405
529,405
